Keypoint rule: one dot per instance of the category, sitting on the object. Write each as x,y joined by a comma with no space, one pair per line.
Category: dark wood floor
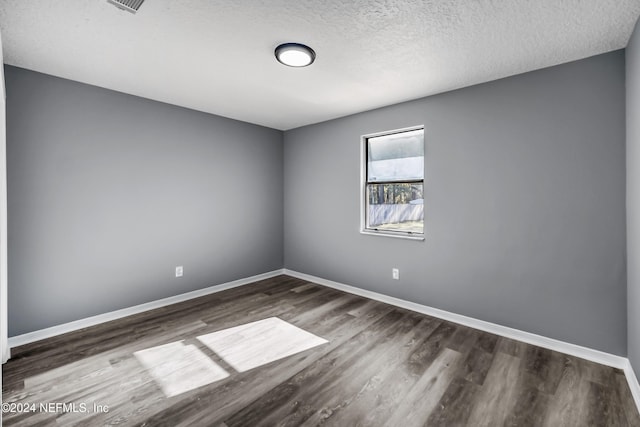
382,366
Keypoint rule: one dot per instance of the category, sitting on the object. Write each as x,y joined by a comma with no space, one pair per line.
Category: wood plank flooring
381,366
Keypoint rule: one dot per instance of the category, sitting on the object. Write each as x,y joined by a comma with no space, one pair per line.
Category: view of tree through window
395,182
394,193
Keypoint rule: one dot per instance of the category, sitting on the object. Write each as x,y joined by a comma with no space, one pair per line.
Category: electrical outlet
395,273
179,271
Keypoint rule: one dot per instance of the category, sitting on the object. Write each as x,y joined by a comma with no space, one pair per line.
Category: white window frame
364,200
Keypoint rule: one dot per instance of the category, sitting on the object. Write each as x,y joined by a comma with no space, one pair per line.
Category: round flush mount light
295,55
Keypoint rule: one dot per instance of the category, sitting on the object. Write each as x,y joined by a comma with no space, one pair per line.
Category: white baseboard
534,339
541,341
30,337
633,383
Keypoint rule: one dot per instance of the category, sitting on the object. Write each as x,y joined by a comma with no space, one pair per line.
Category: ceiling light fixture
295,55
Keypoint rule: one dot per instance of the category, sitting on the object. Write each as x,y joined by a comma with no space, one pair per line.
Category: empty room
287,213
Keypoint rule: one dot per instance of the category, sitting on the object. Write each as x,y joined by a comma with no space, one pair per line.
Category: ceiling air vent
130,5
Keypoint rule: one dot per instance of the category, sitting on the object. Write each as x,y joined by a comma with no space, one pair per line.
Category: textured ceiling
217,55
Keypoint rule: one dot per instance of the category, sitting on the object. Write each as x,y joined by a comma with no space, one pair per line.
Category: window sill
419,237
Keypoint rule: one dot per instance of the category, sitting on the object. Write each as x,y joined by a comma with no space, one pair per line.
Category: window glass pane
396,207
396,157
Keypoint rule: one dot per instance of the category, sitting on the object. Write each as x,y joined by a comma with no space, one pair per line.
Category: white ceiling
217,55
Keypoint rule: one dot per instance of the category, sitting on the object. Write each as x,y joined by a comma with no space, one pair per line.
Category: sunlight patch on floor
178,368
255,344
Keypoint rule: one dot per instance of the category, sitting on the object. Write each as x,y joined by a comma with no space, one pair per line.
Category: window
393,183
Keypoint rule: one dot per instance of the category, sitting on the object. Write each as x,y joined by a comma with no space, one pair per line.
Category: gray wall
109,192
633,197
524,212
